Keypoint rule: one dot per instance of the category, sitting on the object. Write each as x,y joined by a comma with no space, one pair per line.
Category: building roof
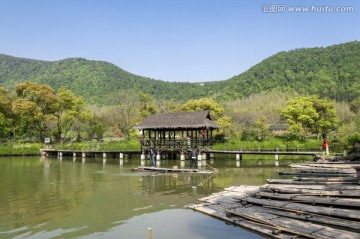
179,120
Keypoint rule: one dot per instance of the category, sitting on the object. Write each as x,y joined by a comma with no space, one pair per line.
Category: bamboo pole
270,224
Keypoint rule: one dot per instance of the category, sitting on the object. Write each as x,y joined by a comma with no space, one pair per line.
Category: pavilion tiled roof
179,120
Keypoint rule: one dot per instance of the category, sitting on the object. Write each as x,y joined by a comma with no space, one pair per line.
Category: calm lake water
52,198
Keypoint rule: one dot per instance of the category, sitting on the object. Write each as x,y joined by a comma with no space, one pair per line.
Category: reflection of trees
167,184
92,197
35,195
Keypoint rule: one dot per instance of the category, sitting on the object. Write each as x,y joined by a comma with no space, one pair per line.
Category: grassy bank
22,148
19,148
270,144
101,145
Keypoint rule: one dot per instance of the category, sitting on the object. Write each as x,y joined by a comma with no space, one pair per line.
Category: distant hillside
94,80
332,72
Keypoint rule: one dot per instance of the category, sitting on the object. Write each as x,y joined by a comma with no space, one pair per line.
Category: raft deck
321,208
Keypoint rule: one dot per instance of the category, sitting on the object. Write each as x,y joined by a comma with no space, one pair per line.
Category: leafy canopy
309,114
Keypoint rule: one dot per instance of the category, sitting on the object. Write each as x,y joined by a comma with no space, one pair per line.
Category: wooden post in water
182,156
142,157
149,233
199,158
276,155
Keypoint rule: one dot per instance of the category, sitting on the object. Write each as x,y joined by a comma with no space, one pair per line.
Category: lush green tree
355,105
147,106
69,110
36,102
263,126
6,116
125,111
310,114
300,114
327,118
216,111
169,106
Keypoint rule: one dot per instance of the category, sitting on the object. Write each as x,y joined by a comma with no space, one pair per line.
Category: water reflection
62,197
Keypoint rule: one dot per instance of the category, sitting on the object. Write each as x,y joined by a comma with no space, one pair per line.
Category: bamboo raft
327,207
170,170
327,172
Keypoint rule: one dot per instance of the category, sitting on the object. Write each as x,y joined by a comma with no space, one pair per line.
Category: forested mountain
94,80
332,72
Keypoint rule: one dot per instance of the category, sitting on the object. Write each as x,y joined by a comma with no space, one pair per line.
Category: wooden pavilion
179,130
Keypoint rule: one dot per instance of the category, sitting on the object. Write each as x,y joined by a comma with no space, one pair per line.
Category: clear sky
173,40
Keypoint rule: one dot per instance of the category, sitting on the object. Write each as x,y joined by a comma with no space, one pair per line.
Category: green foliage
102,145
35,109
20,148
147,106
263,125
70,111
332,72
352,139
37,103
355,105
309,115
281,144
216,110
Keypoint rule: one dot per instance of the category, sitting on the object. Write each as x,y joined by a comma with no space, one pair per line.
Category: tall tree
310,114
217,111
125,111
327,119
147,106
263,125
7,117
36,102
70,110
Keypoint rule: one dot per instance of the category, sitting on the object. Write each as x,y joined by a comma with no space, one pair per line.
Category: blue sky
172,40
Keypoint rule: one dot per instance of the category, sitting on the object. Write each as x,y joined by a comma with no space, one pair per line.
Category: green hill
94,80
332,72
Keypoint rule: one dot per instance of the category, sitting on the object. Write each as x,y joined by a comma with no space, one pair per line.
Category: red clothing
325,143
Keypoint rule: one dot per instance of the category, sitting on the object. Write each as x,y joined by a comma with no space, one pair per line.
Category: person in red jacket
325,146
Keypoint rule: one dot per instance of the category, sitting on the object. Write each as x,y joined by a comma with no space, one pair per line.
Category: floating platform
170,170
291,208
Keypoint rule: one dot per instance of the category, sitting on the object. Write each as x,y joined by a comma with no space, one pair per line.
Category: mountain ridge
332,72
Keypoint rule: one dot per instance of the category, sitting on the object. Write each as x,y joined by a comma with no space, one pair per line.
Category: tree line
36,111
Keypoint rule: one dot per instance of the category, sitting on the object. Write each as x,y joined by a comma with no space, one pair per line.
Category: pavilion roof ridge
178,120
